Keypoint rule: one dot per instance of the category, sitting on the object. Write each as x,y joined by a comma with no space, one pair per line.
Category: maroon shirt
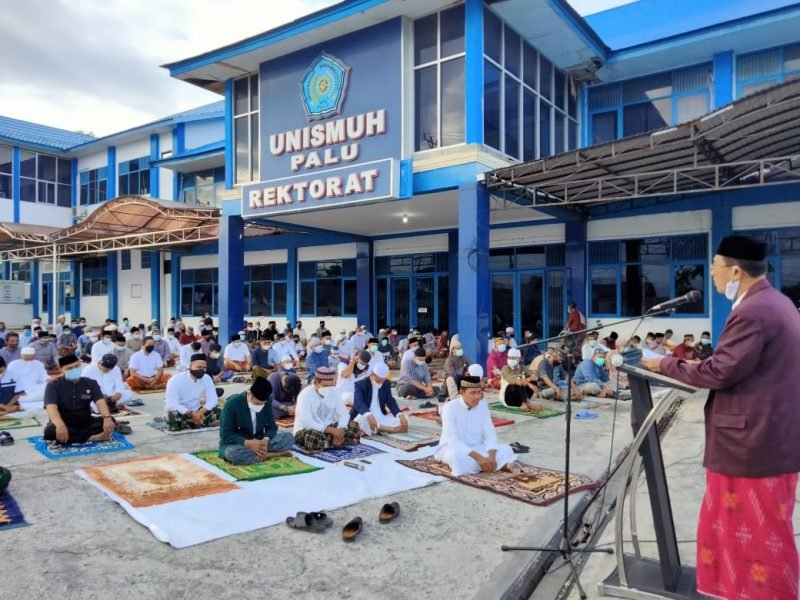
753,410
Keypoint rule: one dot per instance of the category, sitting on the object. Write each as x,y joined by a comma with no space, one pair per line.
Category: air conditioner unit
27,291
79,212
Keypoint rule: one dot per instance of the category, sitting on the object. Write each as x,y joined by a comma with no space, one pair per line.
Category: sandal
389,512
305,521
519,448
6,439
124,429
135,402
352,529
427,405
323,518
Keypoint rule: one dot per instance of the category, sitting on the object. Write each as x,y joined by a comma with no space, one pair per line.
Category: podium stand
635,576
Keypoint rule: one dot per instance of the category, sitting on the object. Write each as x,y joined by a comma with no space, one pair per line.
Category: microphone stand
565,548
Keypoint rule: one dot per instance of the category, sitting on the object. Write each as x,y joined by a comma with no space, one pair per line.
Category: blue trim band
111,182
175,283
155,154
155,285
113,284
473,71
291,283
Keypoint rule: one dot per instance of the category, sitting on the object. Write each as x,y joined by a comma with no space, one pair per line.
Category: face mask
513,363
157,338
197,373
326,342
459,352
731,290
599,361
26,332
420,362
361,366
67,332
394,333
256,408
706,341
125,323
149,349
501,348
265,346
324,391
73,374
286,366
237,343
592,343
241,337
137,336
107,341
318,349
373,347
215,355
652,344
171,336
119,348
384,342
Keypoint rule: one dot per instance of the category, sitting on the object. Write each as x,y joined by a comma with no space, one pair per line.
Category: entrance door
401,303
425,304
531,303
47,299
502,302
531,299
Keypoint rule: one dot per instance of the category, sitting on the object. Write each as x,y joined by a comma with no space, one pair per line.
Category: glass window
260,298
545,78
426,108
558,132
27,190
644,286
501,259
425,39
6,157
46,168
93,186
512,116
688,278
350,297
647,88
245,128
491,106
134,178
307,299
64,171
27,164
560,89
531,257
453,119
329,298
604,291
791,58
279,298
531,66
512,51
528,125
241,95
452,31
492,36
692,107
640,118
544,129
242,135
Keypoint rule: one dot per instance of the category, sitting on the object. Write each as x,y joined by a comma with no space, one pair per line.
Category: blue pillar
473,324
75,197
231,275
113,284
473,72
6,270
721,226
723,79
111,184
75,276
15,186
155,285
364,284
155,154
576,287
229,159
175,280
36,287
291,284
452,282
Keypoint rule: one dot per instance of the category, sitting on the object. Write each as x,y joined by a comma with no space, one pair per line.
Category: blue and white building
460,165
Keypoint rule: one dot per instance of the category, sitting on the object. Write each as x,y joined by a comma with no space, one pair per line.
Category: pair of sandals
6,439
519,448
124,427
318,522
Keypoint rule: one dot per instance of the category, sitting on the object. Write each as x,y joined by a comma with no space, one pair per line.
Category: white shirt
467,429
284,349
300,332
174,345
237,352
184,393
347,384
27,374
376,359
407,355
315,412
185,357
110,383
358,341
145,364
99,349
374,405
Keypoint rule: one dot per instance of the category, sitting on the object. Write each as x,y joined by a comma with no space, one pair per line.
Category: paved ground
446,544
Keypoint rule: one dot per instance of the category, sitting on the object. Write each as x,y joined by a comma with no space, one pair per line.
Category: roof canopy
125,223
751,142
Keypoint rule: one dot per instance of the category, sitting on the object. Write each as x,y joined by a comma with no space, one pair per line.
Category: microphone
693,296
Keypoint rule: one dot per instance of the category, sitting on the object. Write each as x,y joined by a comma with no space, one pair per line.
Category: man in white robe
30,378
321,419
108,376
469,442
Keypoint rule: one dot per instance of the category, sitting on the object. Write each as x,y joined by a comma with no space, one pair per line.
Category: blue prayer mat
333,455
10,514
55,450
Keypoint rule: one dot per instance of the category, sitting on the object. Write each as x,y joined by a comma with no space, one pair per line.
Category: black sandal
352,529
389,512
519,448
305,521
6,439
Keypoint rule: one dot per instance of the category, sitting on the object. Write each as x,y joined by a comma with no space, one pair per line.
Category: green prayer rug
545,413
272,467
19,423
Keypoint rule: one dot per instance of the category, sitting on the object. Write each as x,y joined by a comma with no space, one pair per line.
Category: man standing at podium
745,539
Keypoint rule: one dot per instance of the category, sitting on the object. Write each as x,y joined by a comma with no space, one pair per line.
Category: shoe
352,529
519,448
305,521
322,518
6,439
427,405
124,429
389,512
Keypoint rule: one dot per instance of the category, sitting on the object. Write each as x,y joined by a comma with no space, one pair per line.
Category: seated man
318,355
67,341
350,370
9,397
11,351
496,361
549,376
214,364
46,352
263,358
185,355
389,353
591,376
147,368
587,350
415,378
103,346
321,420
237,355
702,349
519,383
162,347
285,389
30,379
191,399
123,355
469,442
134,339
174,346
686,349
248,433
68,401
374,407
109,377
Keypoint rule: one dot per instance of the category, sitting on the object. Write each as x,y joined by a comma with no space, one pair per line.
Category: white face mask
324,391
420,362
731,290
501,348
512,363
256,408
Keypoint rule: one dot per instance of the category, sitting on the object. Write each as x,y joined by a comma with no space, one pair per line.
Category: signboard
12,292
331,118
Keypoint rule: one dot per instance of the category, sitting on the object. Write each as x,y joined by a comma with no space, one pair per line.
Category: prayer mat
143,482
19,423
127,412
55,450
149,391
334,455
527,483
409,441
286,422
272,467
161,425
545,413
432,415
10,514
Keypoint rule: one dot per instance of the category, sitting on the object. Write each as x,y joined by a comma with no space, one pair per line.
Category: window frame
249,116
125,173
185,284
342,278
95,274
90,180
273,283
38,181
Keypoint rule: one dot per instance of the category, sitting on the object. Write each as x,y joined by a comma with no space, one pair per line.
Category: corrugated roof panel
42,135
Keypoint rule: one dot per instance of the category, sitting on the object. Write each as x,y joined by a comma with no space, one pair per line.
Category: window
529,107
327,288
20,271
45,179
145,259
755,72
93,186
629,277
125,260
245,128
94,273
6,172
134,177
203,187
439,79
199,292
648,103
265,290
783,257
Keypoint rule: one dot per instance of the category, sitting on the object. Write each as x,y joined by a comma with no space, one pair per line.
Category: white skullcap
381,370
28,351
475,371
514,352
286,358
314,341
509,330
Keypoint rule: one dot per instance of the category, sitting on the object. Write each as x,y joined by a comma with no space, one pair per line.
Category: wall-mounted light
405,218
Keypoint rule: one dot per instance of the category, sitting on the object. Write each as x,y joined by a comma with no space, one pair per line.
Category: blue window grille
125,260
134,177
328,288
199,292
265,290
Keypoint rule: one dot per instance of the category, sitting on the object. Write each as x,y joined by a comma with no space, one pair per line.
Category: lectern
636,576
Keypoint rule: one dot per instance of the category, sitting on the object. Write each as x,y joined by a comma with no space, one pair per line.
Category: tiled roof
41,135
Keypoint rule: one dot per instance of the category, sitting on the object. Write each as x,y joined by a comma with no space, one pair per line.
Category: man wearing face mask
248,433
591,376
191,398
68,401
518,383
103,346
285,389
415,378
263,358
686,349
751,452
147,368
135,339
162,348
321,420
317,357
350,370
67,341
30,377
374,408
373,347
237,355
496,361
588,348
389,353
548,379
703,348
109,377
46,352
26,337
123,355
11,351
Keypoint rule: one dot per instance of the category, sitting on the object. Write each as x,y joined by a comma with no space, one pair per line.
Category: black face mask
149,349
197,373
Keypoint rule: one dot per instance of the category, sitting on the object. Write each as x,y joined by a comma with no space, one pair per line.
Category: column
575,281
723,79
155,154
36,287
452,280
231,275
473,323
364,274
16,189
75,278
721,226
291,284
113,284
111,182
473,71
175,280
155,286
229,158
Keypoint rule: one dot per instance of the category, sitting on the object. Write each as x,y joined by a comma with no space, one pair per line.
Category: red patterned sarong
745,540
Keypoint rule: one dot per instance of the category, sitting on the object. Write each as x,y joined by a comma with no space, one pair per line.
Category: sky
93,66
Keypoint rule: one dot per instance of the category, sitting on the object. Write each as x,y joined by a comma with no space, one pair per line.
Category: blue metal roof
34,134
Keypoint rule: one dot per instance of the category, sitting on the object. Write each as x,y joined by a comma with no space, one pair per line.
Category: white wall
136,309
95,160
6,210
678,326
95,309
553,233
166,298
133,149
266,257
764,216
199,262
411,245
692,221
330,252
201,133
16,315
36,213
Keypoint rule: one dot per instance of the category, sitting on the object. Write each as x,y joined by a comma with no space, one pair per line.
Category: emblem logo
324,87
